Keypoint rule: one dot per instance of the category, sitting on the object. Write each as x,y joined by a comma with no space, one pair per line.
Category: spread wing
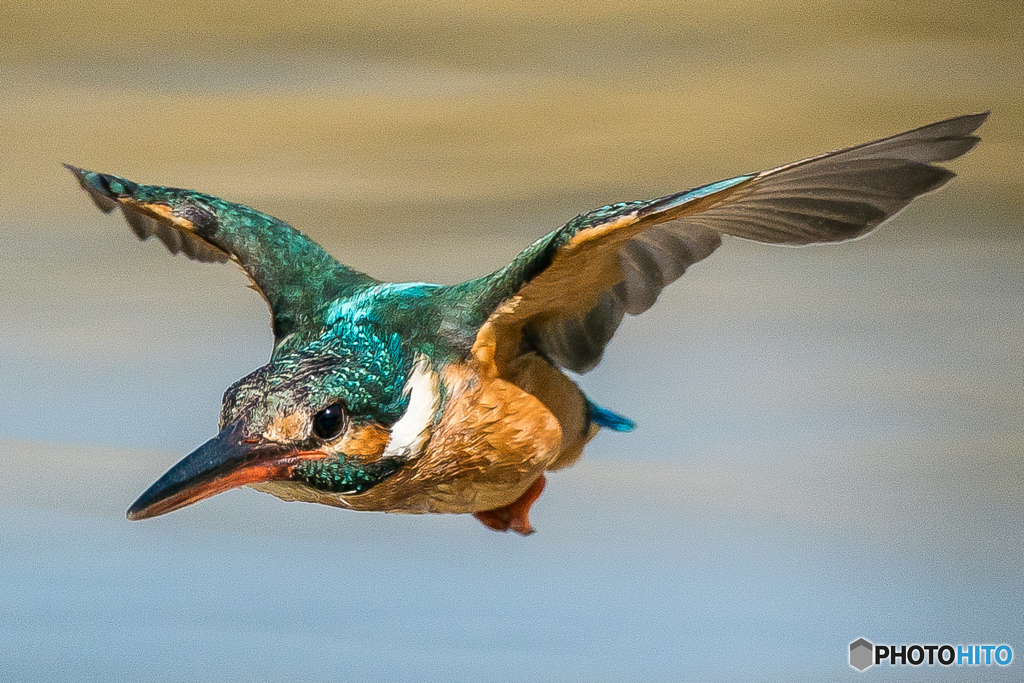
292,272
566,294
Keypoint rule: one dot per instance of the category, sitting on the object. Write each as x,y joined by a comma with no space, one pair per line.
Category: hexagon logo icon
861,654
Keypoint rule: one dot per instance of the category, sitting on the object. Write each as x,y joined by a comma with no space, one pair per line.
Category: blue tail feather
603,417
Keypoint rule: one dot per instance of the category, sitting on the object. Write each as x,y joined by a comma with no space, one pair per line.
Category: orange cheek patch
284,428
364,443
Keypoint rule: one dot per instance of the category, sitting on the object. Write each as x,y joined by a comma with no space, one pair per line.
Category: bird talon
516,515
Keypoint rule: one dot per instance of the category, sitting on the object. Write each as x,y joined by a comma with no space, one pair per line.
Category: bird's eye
329,422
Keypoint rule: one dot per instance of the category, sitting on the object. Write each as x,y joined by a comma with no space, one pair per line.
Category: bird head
337,416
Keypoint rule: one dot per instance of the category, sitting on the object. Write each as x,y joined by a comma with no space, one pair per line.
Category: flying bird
414,397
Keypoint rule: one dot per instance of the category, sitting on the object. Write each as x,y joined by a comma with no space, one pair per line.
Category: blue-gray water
830,447
831,440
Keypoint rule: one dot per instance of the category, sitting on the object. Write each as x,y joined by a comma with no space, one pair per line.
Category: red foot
516,515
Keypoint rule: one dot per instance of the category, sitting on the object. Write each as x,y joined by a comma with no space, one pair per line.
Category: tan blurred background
329,107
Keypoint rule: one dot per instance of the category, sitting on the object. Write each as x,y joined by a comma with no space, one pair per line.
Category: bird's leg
516,515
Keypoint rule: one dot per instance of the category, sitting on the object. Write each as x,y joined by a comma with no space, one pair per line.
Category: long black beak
226,461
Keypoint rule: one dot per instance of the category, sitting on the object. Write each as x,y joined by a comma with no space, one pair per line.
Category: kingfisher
415,397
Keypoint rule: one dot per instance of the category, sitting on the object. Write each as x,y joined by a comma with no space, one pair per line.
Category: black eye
329,422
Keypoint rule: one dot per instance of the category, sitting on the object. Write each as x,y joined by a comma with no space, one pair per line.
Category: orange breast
495,438
493,441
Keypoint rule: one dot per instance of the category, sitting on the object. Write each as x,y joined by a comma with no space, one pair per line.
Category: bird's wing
292,272
565,295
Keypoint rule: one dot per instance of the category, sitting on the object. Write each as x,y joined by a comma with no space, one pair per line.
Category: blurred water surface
830,441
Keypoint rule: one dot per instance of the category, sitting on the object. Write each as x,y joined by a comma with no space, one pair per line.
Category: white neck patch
409,435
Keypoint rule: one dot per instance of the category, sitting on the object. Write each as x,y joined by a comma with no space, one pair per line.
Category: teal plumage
293,272
341,476
416,397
